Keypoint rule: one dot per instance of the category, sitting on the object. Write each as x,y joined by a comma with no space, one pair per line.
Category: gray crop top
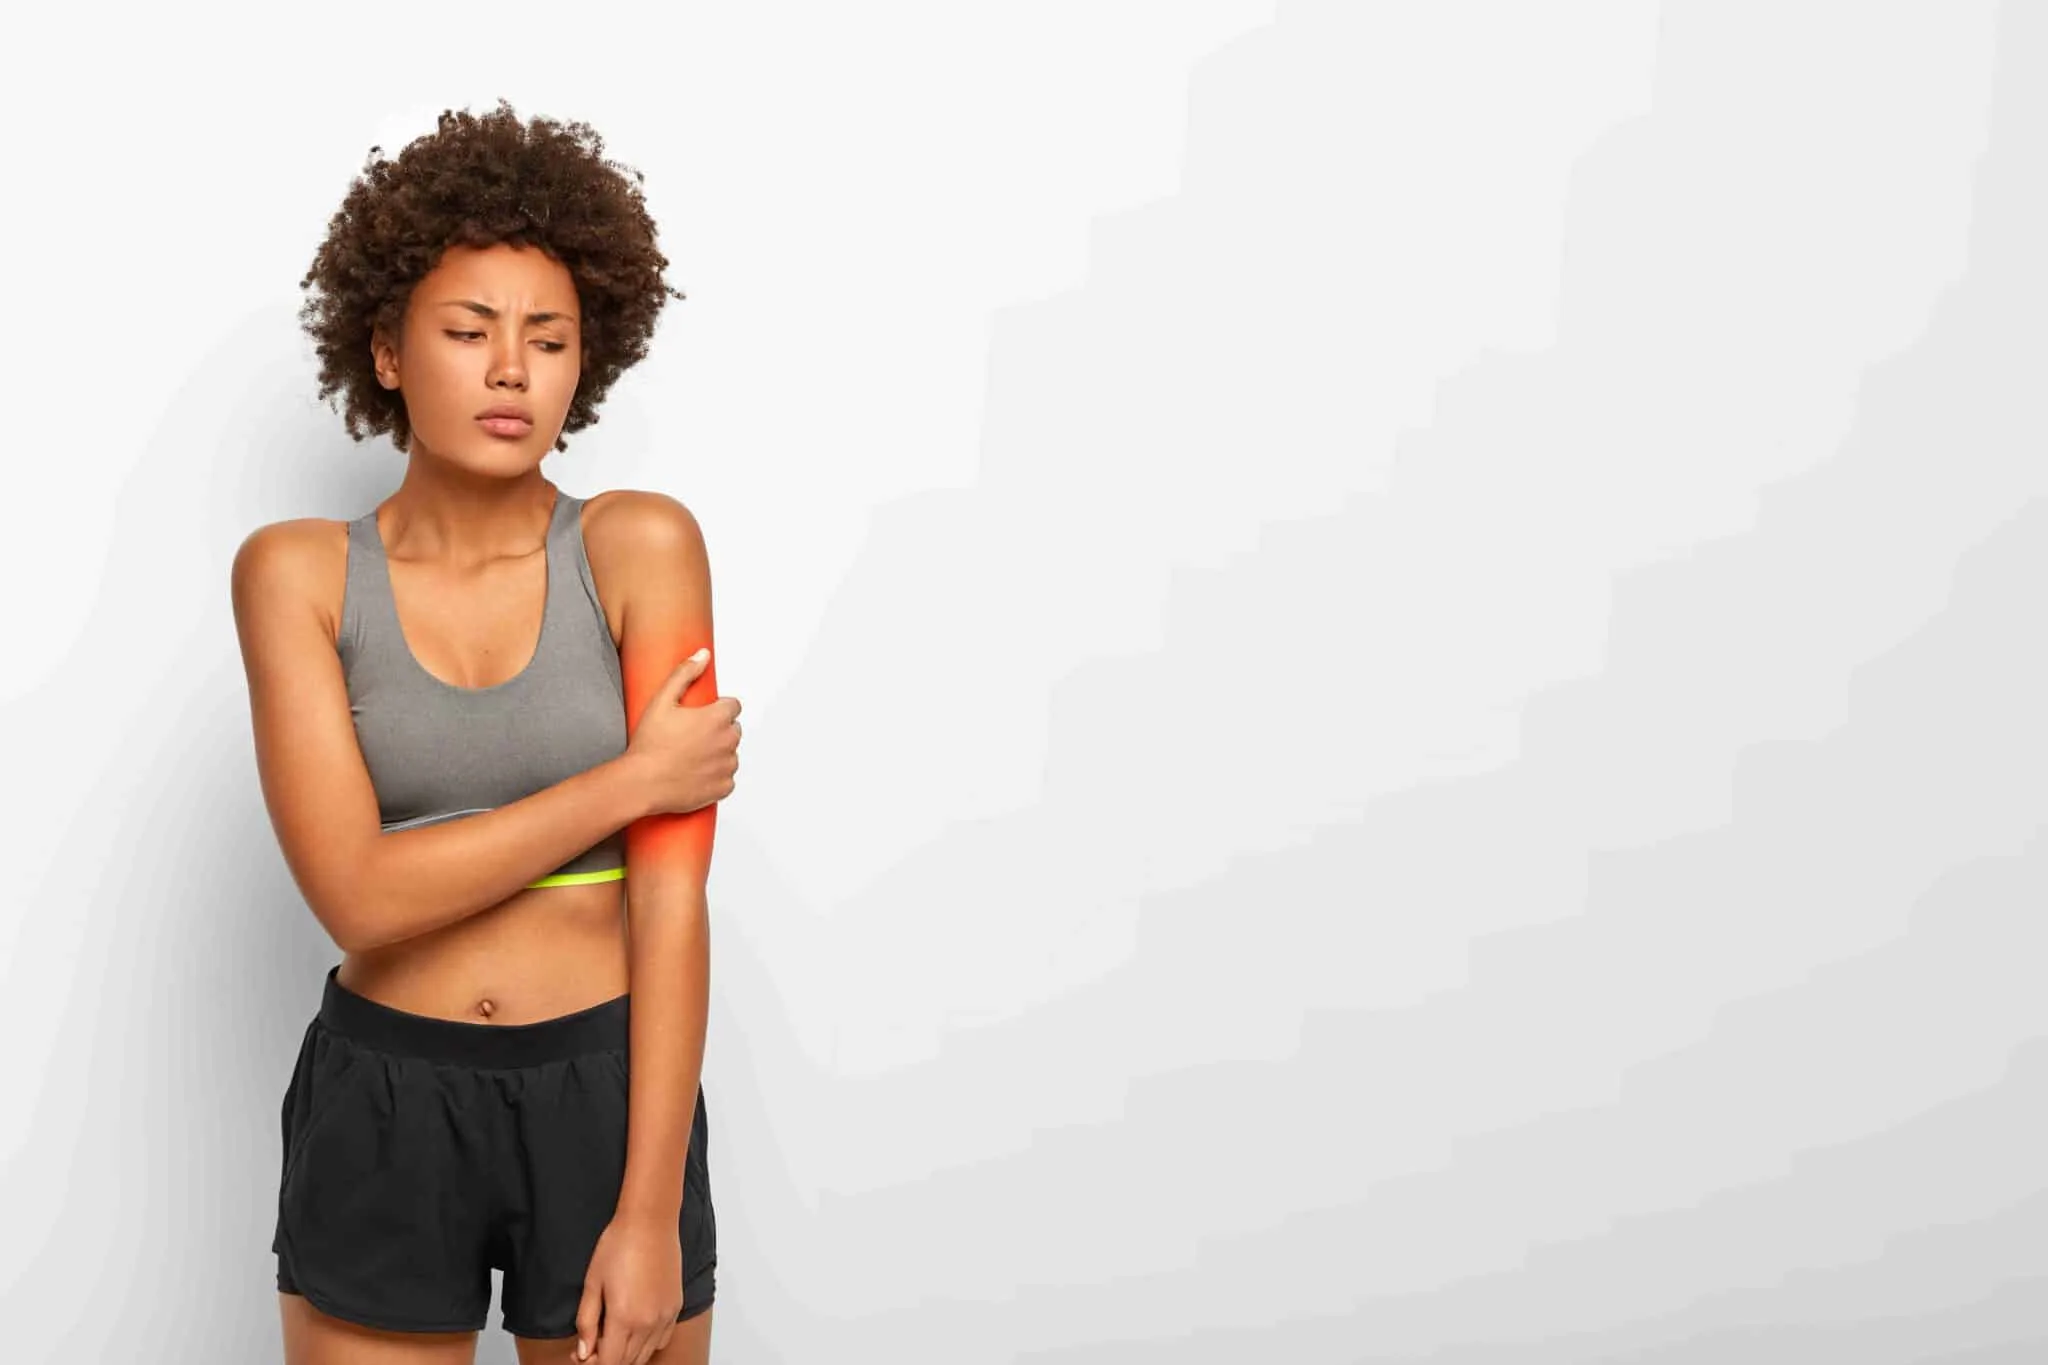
436,751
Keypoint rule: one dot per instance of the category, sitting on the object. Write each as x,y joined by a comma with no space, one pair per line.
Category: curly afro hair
480,180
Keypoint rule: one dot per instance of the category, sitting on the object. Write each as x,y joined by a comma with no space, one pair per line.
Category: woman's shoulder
294,545
300,559
641,542
624,525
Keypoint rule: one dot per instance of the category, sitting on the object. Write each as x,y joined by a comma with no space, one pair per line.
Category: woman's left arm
666,617
659,553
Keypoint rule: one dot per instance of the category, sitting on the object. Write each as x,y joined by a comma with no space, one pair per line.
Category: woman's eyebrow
485,310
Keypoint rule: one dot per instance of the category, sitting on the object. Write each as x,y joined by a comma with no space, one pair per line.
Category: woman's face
490,327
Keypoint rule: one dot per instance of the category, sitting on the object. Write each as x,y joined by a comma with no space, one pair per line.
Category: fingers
658,1333
636,1345
625,1346
621,1344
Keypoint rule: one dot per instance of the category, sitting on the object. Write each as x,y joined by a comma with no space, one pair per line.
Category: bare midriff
546,952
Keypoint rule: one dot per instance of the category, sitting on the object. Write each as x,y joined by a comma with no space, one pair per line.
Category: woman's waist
541,954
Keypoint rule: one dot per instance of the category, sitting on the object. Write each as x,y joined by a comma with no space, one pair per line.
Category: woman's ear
384,356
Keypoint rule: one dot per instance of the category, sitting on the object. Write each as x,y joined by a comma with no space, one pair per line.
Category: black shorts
420,1152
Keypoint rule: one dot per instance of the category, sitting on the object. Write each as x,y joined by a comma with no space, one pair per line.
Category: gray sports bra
436,751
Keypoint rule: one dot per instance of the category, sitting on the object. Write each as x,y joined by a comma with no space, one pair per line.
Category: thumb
685,671
586,1321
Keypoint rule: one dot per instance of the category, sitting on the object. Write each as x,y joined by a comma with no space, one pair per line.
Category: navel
485,1007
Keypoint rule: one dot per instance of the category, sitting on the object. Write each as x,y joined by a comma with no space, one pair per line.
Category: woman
492,762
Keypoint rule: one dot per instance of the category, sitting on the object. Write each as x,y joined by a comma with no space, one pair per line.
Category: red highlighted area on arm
671,844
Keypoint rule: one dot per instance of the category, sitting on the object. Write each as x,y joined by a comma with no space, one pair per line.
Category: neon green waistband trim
609,874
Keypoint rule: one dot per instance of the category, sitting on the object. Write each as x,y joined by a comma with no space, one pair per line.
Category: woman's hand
635,1283
686,755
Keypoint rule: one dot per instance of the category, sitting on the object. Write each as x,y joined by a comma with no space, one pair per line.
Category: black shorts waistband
600,1028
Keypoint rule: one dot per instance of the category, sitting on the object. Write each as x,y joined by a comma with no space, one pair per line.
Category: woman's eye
549,346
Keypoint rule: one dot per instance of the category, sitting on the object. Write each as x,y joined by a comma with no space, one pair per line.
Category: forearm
670,963
414,881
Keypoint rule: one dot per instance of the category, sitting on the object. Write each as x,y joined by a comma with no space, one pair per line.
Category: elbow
339,903
344,927
345,936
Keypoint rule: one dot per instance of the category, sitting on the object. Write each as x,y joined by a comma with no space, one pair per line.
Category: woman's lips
505,426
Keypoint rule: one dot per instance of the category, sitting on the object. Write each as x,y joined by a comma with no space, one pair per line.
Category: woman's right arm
365,887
